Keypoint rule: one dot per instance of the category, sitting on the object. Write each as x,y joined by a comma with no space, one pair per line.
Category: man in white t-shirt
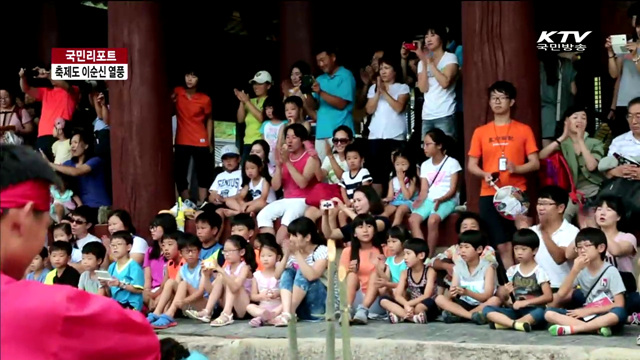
556,234
437,74
82,219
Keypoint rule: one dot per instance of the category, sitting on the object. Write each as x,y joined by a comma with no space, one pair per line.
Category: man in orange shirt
193,137
58,101
507,147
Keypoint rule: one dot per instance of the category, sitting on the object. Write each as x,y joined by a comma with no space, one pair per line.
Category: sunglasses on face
78,222
340,141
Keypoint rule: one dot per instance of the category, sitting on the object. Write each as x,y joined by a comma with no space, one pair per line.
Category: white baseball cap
228,150
261,77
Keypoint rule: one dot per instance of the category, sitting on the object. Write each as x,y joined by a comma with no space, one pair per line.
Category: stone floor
436,331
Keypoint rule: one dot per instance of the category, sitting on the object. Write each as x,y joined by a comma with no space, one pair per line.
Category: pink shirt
623,263
291,189
156,266
70,324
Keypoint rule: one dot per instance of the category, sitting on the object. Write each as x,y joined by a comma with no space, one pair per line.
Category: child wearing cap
227,184
250,109
62,147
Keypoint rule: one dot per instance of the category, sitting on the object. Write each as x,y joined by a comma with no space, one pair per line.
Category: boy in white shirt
227,184
353,178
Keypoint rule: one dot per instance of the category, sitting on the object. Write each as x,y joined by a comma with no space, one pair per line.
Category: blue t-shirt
343,85
195,355
205,253
131,274
395,269
191,276
41,278
91,186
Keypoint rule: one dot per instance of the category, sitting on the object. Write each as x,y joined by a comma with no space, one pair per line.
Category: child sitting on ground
529,284
154,260
232,285
170,272
473,284
601,290
227,184
265,287
207,225
93,255
413,298
127,282
190,289
62,273
359,259
37,270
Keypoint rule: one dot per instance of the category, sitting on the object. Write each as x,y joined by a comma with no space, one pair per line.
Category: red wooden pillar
49,31
295,35
141,136
499,44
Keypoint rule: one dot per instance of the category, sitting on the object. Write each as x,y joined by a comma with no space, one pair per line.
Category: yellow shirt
48,280
61,151
252,131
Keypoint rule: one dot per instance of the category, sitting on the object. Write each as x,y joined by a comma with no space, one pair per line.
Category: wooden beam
296,38
141,135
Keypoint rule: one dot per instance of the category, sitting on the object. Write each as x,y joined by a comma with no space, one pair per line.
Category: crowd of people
301,178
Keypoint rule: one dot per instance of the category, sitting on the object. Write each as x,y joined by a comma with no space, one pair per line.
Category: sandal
256,322
267,316
393,318
420,318
222,320
151,317
282,320
202,315
164,322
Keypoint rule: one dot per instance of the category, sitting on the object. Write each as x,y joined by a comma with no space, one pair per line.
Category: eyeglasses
429,143
583,247
633,115
78,222
340,141
499,98
545,204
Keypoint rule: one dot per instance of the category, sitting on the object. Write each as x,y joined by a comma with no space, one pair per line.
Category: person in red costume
40,321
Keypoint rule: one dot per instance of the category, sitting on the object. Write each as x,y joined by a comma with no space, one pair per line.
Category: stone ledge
220,348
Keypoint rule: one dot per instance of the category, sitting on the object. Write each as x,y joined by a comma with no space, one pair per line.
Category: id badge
502,164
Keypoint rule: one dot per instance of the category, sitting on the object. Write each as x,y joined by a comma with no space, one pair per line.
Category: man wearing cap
67,322
335,92
250,110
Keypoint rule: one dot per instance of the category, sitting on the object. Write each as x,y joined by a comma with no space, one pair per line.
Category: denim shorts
312,307
537,313
447,124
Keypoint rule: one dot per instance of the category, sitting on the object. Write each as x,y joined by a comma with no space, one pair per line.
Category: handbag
322,191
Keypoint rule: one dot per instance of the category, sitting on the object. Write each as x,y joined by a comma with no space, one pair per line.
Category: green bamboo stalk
346,315
330,353
293,338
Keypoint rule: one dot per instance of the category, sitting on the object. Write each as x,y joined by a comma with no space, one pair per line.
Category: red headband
19,195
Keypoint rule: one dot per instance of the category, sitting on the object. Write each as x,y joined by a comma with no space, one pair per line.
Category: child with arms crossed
530,285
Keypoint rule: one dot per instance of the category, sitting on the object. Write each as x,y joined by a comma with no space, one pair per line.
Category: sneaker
478,318
361,316
634,319
188,204
605,331
461,208
449,318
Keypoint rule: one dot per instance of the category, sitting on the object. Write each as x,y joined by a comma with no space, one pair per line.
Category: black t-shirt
347,230
70,276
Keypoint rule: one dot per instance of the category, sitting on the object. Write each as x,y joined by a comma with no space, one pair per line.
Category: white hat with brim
261,77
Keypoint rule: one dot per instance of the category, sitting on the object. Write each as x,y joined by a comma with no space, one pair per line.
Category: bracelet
613,56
